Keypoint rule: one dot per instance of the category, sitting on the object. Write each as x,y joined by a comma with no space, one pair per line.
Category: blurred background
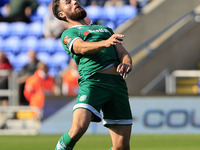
162,36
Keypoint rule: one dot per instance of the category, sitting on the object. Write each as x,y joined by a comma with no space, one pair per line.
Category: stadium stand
110,16
45,2
46,45
4,29
35,29
19,37
27,43
19,61
94,12
58,45
43,56
60,63
1,43
126,12
40,13
11,44
18,29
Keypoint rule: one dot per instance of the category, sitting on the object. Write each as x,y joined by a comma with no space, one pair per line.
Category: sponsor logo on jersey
66,40
100,30
83,98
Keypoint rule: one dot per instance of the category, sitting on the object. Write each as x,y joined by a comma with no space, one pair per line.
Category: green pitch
103,142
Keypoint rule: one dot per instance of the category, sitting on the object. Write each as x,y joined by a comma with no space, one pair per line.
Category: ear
61,14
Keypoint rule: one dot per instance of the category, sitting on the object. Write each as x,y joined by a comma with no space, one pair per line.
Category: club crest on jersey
83,98
66,40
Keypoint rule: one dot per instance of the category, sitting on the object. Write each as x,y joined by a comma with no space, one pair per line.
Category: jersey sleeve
68,37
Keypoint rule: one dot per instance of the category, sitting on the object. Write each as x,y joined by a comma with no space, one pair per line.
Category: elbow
79,50
83,51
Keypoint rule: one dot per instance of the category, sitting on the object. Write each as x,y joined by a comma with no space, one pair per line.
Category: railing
20,120
12,91
171,80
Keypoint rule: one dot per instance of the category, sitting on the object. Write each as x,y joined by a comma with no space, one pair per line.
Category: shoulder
31,80
66,32
71,32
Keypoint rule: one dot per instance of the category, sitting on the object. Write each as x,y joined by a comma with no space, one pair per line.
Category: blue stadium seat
1,43
4,29
94,13
44,57
44,1
35,29
125,13
59,60
46,45
28,43
20,61
53,72
110,24
109,15
18,29
40,13
12,44
58,46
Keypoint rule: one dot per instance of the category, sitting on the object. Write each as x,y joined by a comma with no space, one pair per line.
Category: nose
75,1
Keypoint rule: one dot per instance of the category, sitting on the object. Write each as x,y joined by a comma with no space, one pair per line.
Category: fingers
123,69
117,38
118,35
114,40
128,69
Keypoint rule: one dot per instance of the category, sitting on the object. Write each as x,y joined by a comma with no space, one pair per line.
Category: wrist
105,43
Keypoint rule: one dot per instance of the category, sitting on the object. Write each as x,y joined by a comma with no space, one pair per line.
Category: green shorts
107,93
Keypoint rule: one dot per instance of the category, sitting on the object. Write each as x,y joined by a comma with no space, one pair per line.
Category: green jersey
91,63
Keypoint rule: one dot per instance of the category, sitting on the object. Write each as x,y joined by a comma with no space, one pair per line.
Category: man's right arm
86,47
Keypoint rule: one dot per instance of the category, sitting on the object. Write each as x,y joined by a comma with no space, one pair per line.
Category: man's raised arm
85,47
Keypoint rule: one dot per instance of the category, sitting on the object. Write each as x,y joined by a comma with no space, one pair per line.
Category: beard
78,14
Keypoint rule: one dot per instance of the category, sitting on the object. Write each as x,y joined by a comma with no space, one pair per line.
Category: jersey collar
82,25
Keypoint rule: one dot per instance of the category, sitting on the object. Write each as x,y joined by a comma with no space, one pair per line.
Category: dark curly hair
56,9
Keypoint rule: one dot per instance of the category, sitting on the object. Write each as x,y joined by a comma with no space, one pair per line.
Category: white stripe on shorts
89,107
117,122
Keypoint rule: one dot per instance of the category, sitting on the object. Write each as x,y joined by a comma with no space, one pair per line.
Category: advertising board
151,115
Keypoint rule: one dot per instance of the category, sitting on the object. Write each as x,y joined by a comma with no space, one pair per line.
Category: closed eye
68,1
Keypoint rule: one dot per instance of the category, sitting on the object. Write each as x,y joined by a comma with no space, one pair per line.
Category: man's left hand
124,69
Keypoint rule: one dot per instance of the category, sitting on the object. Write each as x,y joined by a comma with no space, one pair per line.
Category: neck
75,23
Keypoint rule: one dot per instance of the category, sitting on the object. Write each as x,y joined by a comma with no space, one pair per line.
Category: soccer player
103,63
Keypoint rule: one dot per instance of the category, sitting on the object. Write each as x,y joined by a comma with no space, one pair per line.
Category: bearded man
103,64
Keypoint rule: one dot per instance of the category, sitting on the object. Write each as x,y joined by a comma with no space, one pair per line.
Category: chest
95,34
